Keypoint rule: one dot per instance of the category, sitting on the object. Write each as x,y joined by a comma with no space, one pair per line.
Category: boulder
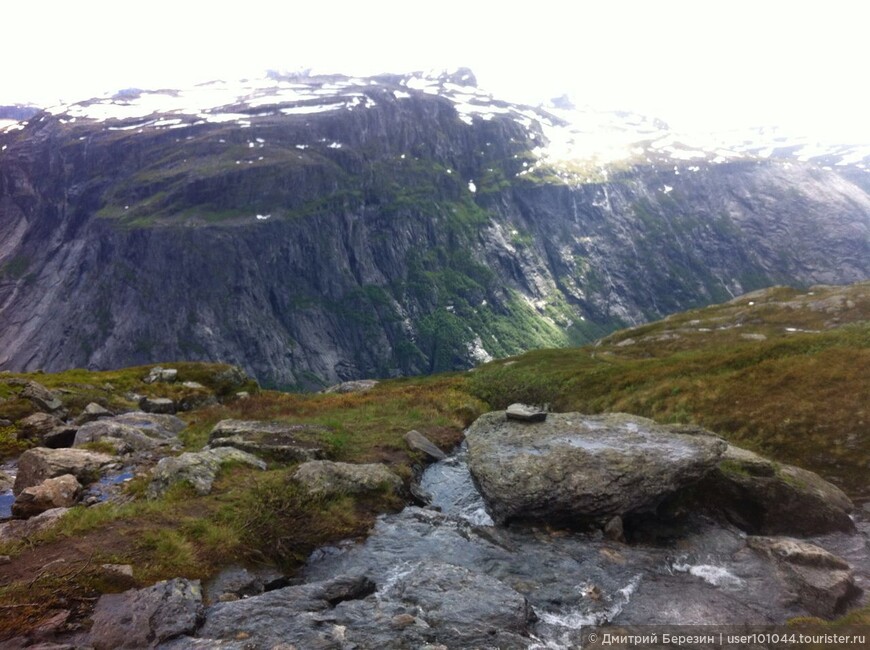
60,492
158,374
574,469
145,618
525,413
764,497
154,425
275,440
356,386
18,529
37,464
418,442
823,583
35,426
325,478
91,412
142,436
43,399
199,469
158,405
5,481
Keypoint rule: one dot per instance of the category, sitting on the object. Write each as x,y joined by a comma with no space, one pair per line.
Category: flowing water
574,580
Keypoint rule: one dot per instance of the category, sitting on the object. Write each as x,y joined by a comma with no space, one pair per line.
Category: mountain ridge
319,229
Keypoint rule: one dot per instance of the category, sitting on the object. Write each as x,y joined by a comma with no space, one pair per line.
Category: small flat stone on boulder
60,492
326,478
525,413
199,469
575,469
40,463
145,618
418,442
275,440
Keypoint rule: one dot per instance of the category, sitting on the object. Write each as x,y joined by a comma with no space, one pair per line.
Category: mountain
321,228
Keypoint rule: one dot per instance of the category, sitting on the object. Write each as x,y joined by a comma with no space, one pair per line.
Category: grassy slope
800,396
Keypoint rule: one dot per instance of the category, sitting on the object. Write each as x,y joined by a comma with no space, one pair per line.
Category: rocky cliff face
322,229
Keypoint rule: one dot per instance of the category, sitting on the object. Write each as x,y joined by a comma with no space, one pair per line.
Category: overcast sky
701,64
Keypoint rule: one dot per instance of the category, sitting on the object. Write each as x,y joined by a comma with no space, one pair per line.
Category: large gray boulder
354,386
199,469
154,425
822,582
91,412
37,464
158,405
145,618
60,492
275,440
325,478
575,468
768,498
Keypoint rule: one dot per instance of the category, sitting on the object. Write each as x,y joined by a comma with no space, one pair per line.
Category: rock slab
326,478
277,440
574,468
418,442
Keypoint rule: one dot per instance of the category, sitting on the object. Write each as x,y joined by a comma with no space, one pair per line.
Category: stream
574,580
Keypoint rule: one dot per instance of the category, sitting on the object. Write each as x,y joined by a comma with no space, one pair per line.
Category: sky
700,65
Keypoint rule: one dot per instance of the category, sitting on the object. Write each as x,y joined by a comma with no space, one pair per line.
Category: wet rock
575,468
129,436
43,399
823,583
276,440
418,442
5,481
91,412
144,618
326,478
35,426
525,413
23,528
60,492
36,465
199,469
296,615
238,582
158,405
356,386
769,498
